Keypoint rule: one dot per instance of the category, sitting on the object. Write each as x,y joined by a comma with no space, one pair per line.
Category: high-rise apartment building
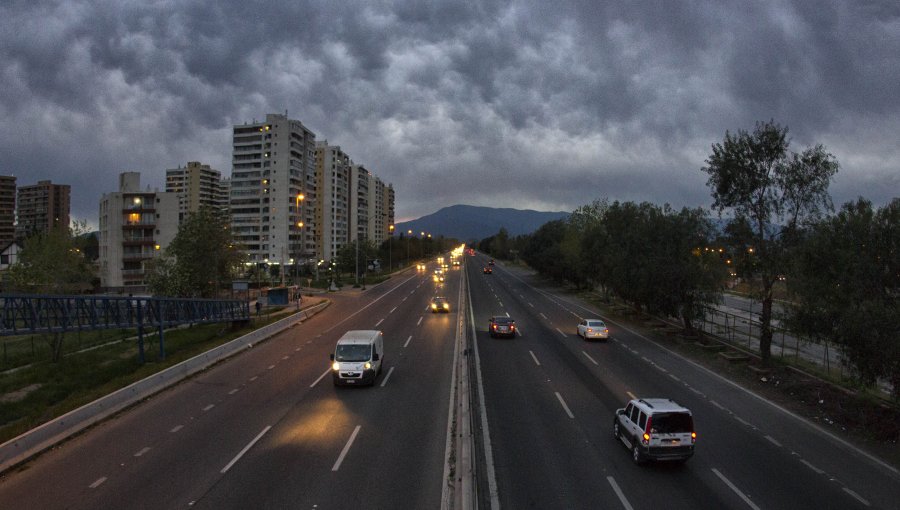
359,203
333,175
135,226
197,185
7,209
273,190
41,207
381,210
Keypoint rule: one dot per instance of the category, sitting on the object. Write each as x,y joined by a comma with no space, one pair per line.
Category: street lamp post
390,248
408,235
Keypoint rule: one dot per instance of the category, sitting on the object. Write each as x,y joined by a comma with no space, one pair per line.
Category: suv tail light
693,437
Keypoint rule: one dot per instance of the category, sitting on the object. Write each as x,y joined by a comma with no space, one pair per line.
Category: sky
532,105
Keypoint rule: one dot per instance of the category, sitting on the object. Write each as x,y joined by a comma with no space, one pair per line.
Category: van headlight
368,365
335,366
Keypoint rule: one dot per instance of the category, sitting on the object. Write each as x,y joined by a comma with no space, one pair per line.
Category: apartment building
273,191
135,226
197,185
359,202
381,210
41,207
333,176
7,209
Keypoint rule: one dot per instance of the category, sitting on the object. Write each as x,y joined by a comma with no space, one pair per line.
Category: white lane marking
561,333
810,466
98,483
738,418
773,441
404,298
673,377
337,465
507,314
735,489
420,320
544,316
391,371
413,292
536,362
143,451
392,309
519,332
297,349
407,341
713,402
501,305
284,358
661,369
698,392
619,493
531,305
590,358
232,392
242,452
645,358
379,322
207,408
320,378
255,377
176,428
857,496
630,394
271,367
565,407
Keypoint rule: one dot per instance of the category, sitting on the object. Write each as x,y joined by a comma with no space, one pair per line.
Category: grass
22,350
83,377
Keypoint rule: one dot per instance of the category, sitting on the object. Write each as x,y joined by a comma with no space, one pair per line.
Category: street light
408,235
390,248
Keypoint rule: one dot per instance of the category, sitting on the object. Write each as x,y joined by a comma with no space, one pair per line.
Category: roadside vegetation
776,230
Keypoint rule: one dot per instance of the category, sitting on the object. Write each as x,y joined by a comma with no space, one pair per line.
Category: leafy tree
199,260
772,192
52,262
845,288
347,256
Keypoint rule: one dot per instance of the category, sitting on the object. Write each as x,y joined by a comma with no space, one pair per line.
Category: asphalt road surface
267,429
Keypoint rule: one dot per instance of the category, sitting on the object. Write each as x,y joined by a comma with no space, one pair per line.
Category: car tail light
512,327
494,326
693,437
646,438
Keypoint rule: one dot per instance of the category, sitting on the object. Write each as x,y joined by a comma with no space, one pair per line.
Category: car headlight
368,365
335,366
446,306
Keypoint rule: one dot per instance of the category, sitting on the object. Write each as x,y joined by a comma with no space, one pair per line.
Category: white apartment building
333,175
359,202
381,210
135,226
197,185
273,191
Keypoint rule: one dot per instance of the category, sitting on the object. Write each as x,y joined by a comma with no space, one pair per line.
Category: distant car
420,267
502,326
438,278
491,263
593,328
655,429
440,305
456,263
488,270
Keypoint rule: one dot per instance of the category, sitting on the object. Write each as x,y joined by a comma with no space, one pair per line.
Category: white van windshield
357,352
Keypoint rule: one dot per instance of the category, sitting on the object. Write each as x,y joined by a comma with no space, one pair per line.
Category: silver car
593,328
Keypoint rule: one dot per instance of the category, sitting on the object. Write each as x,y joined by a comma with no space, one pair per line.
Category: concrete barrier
45,436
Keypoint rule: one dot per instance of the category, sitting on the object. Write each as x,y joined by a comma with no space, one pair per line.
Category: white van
357,357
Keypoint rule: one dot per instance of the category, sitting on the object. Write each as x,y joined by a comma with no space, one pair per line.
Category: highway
550,398
267,429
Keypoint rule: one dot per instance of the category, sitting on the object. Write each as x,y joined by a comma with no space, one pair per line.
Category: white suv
655,429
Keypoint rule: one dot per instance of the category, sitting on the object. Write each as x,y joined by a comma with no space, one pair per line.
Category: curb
51,433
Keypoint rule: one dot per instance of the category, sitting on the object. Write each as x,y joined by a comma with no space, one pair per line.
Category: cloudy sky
540,105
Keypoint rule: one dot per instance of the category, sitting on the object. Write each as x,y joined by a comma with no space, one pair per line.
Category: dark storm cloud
538,104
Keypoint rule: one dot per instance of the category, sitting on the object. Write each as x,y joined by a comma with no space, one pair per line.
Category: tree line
776,222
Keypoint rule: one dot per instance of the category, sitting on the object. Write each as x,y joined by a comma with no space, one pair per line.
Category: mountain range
469,222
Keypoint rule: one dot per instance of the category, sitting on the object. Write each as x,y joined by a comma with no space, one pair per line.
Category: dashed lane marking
857,496
98,483
590,358
143,451
255,377
232,392
420,321
544,316
810,466
246,448
337,465
674,377
207,408
320,378
379,322
270,367
392,309
619,493
388,376
565,407
735,489
773,441
536,362
176,428
630,394
531,305
407,341
713,402
561,333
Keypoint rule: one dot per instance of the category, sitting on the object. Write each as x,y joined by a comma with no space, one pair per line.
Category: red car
502,326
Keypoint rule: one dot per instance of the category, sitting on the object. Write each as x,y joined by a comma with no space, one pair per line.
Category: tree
199,260
845,288
775,193
52,262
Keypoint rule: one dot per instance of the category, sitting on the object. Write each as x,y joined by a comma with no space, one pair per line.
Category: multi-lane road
267,429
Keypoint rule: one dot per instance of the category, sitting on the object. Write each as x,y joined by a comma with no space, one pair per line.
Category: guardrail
47,435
